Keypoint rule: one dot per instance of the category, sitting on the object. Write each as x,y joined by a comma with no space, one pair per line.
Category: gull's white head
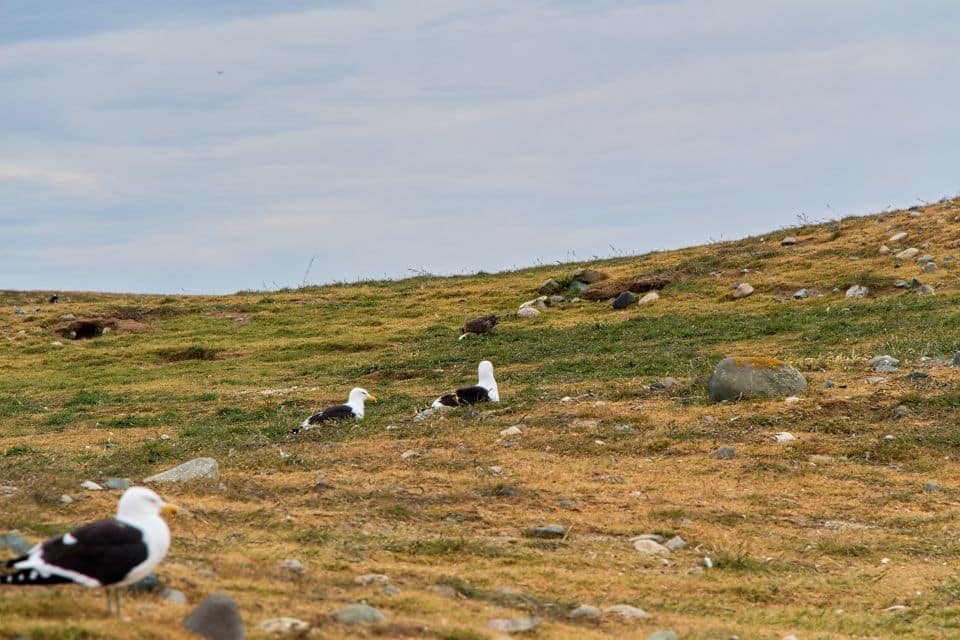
138,503
486,379
356,399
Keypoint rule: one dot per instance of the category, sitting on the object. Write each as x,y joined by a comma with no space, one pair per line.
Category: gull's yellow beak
371,397
169,509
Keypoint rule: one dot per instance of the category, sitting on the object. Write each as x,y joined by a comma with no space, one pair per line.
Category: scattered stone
829,384
495,470
907,254
359,614
577,287
875,380
284,626
930,267
174,596
527,312
368,579
391,590
627,611
858,291
915,376
65,499
150,583
883,250
118,483
507,491
407,455
624,300
585,612
550,287
663,635
736,378
789,240
90,485
724,453
567,504
653,296
624,428
792,400
511,431
292,565
896,608
514,625
68,317
901,411
537,303
56,343
216,618
924,259
676,543
15,542
925,290
884,364
901,284
197,469
666,383
656,537
784,436
932,486
897,237
801,294
588,276
423,415
650,547
708,420
557,300
742,290
549,531
956,359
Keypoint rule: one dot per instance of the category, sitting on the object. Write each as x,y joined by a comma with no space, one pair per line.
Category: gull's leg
116,593
109,602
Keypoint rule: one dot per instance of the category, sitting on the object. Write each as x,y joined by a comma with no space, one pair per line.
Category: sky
185,147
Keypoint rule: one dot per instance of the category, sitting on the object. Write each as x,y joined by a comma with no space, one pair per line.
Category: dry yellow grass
797,532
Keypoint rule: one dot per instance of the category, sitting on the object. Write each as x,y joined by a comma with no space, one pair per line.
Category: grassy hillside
816,537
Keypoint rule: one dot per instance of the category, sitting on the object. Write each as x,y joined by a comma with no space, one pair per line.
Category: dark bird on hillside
54,298
108,553
484,391
478,325
352,409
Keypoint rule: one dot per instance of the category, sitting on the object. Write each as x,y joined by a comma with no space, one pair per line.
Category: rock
197,469
742,290
931,486
800,294
624,300
549,288
495,470
390,590
791,400
68,317
410,454
924,259
537,303
665,384
829,384
15,542
577,287
56,343
897,237
359,614
788,241
426,413
907,254
930,267
371,578
956,359
549,531
507,492
883,250
784,436
527,312
567,504
627,611
588,276
511,431
916,376
216,618
118,483
663,635
90,485
650,547
858,291
676,543
736,378
174,596
150,583
642,284
653,296
292,565
884,364
724,453
284,626
925,290
557,300
901,284
585,612
65,499
514,625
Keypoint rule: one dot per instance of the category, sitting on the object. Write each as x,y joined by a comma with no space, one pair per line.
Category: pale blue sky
449,136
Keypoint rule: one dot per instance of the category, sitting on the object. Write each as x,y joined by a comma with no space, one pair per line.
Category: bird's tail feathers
31,577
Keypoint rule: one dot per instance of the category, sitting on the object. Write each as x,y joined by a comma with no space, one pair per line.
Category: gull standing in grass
110,553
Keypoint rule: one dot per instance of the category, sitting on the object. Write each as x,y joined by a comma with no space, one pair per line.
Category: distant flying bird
484,391
352,409
108,553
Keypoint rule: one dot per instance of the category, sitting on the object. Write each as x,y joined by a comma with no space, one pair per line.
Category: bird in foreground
352,409
110,553
484,391
478,325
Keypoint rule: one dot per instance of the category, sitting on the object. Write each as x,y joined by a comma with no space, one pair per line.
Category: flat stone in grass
216,618
858,291
724,453
669,634
359,614
118,483
197,469
585,612
514,625
627,611
284,626
549,531
737,378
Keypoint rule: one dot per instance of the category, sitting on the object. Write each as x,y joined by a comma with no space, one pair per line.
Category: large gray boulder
736,378
197,469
